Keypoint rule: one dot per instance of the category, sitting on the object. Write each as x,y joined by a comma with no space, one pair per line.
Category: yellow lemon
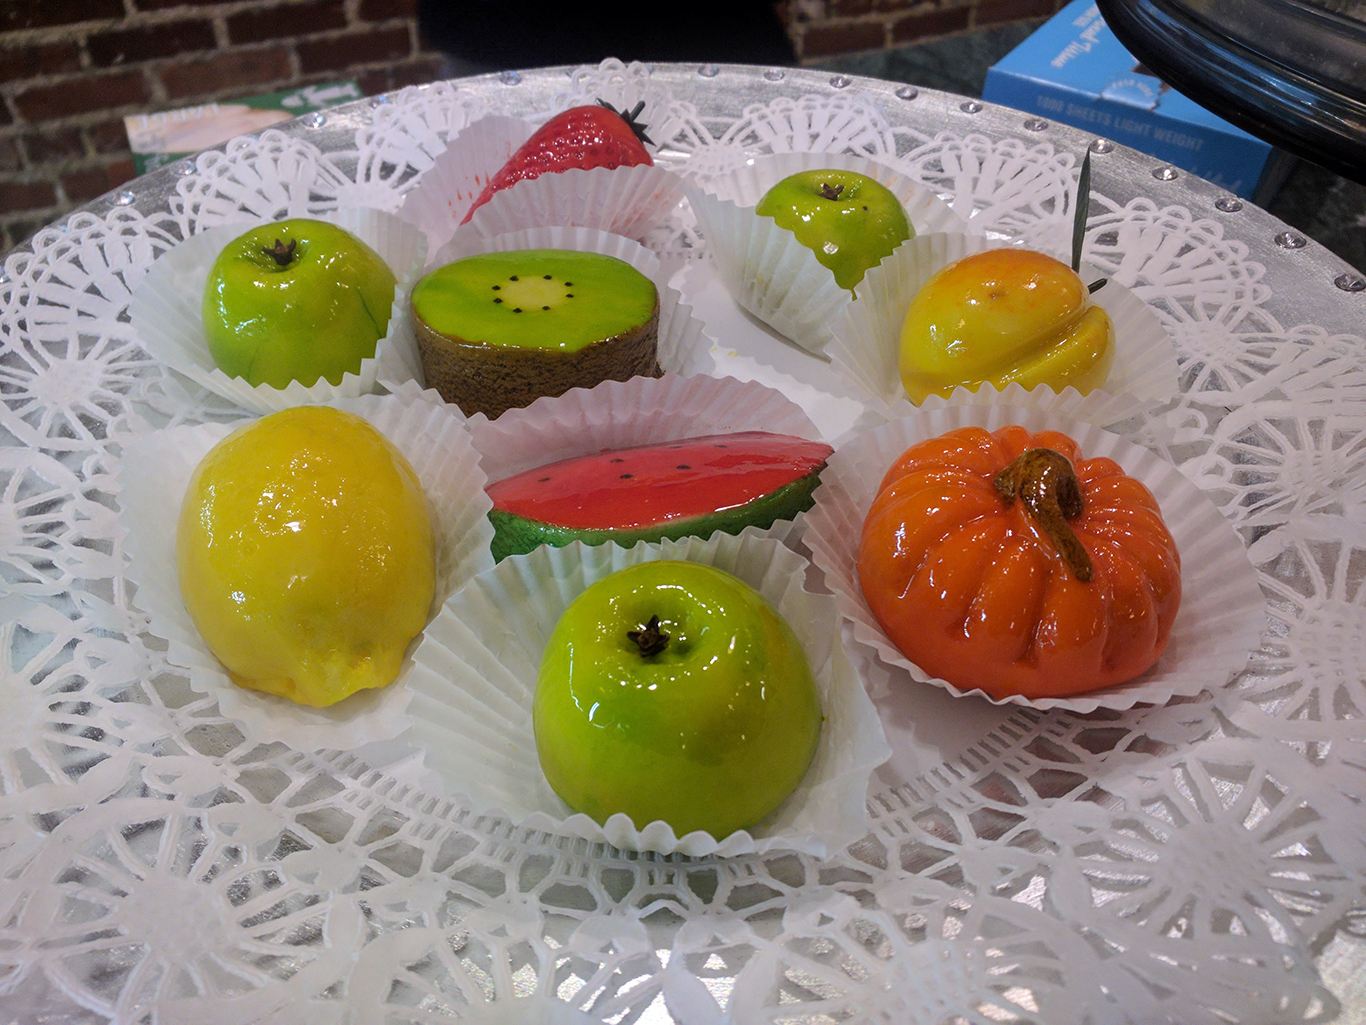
305,555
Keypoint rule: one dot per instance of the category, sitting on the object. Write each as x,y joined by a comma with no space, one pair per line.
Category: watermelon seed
618,460
627,476
684,466
542,480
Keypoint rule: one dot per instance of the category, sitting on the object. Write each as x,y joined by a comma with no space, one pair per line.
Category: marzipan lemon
305,555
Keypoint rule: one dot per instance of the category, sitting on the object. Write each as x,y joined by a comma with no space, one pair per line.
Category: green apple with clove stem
296,300
675,691
850,221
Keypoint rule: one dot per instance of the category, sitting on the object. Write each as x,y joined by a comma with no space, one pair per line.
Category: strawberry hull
695,486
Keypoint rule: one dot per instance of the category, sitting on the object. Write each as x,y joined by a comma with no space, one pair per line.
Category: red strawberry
584,137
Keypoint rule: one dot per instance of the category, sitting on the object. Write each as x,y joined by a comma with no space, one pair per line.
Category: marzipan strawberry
582,137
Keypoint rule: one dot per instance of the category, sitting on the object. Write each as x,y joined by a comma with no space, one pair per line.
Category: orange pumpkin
1006,561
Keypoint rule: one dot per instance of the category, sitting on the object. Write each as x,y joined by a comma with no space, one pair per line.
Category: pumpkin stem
651,640
1047,484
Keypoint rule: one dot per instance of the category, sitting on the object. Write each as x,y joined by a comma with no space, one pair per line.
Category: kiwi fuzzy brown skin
491,379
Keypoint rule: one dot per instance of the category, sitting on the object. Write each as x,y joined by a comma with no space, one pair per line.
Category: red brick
382,10
995,12
424,69
83,186
340,52
933,23
54,144
26,196
139,44
374,81
847,8
232,70
396,76
27,61
9,155
79,95
108,136
20,14
285,20
157,5
831,38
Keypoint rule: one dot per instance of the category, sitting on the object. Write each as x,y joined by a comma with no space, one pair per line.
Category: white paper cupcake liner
167,314
683,344
641,411
441,198
476,673
1119,413
153,474
626,201
1222,612
766,269
868,337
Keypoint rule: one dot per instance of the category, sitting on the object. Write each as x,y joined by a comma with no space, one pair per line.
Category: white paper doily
1197,862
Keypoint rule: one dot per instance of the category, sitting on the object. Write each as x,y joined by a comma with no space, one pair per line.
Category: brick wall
71,69
824,28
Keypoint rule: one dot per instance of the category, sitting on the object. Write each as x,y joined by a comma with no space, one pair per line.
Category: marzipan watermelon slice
693,486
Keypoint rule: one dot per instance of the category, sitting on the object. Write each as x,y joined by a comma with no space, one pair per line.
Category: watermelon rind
517,535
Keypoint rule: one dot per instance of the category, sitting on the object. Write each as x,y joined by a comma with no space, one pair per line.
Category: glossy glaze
581,137
712,733
305,556
974,591
650,484
850,221
314,317
1004,315
551,299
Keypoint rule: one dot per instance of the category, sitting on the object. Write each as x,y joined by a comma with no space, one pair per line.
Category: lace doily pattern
1182,863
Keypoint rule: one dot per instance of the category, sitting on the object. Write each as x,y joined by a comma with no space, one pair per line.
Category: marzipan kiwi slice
499,330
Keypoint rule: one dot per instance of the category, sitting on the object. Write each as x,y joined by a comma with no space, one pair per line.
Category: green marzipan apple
850,221
674,691
296,300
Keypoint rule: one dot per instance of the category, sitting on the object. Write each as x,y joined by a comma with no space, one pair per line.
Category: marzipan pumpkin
1008,562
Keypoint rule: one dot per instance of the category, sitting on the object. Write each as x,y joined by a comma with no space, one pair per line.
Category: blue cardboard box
1073,70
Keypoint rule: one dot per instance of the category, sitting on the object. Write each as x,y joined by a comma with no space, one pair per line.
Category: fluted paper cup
153,474
443,195
476,672
865,352
1222,612
683,346
627,201
765,268
167,314
625,414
